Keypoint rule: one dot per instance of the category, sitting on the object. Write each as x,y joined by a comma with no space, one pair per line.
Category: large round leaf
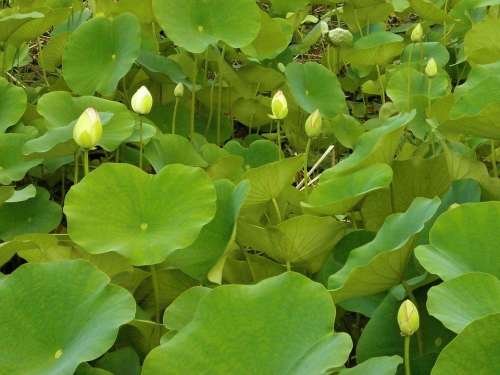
283,325
482,42
13,164
377,48
315,87
460,301
375,366
13,102
118,207
35,215
100,52
464,239
474,351
56,315
195,25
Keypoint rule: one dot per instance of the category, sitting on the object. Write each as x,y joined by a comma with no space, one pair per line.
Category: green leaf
339,194
195,25
124,361
22,195
13,101
420,53
35,215
197,260
180,312
462,357
482,42
463,239
283,7
171,149
465,299
274,37
13,164
259,153
143,217
269,180
315,87
293,315
380,264
378,48
57,315
100,52
375,366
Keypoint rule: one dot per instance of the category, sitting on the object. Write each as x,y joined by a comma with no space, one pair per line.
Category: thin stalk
40,58
117,155
381,83
328,62
86,162
277,209
278,133
306,166
193,96
429,101
76,172
63,184
494,159
407,355
141,142
211,109
410,57
174,116
288,266
219,96
156,291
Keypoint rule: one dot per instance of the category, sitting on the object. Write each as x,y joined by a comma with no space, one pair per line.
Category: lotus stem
86,162
219,95
410,57
211,109
306,166
156,291
193,96
494,159
278,139
381,83
141,142
277,209
407,354
77,157
174,116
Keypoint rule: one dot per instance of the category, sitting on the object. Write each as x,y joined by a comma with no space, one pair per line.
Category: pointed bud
279,106
431,68
179,90
340,37
87,131
314,124
417,34
324,27
281,67
142,101
408,318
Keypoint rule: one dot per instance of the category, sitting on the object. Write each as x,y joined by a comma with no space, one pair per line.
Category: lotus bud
87,131
279,106
340,37
408,318
142,101
417,34
431,68
179,90
314,124
281,67
324,27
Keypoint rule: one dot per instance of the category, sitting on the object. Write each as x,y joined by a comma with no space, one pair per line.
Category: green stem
86,162
141,142
328,62
277,209
156,291
193,96
381,83
429,101
219,95
409,75
407,355
211,109
306,166
278,133
77,157
288,266
174,116
494,159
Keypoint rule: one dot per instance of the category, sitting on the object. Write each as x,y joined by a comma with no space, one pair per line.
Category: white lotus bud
87,131
408,318
314,124
142,101
179,90
279,106
417,34
431,68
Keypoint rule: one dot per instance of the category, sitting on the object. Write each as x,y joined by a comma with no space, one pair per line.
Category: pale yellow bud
142,101
179,90
314,124
408,318
87,131
279,106
431,68
417,34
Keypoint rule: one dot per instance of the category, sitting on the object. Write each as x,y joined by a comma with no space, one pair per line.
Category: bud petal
314,124
87,131
279,106
408,318
431,68
142,101
417,34
340,37
179,90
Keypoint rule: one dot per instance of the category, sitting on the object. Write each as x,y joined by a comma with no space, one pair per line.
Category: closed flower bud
279,106
142,101
281,67
324,27
417,34
408,318
431,68
87,131
179,90
314,124
340,37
